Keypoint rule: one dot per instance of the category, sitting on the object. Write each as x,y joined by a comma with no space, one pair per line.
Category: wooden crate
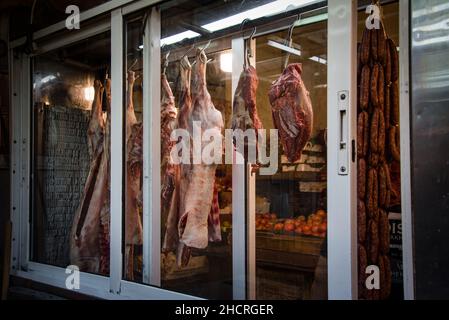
289,252
288,243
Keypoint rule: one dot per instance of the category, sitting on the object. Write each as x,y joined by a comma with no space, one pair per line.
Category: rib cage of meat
292,111
244,111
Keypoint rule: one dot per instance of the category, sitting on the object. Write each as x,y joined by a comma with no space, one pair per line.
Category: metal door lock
343,150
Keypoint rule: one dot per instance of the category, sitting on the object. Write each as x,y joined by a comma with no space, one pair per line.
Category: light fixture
318,59
268,9
179,37
47,78
226,62
89,93
283,47
265,10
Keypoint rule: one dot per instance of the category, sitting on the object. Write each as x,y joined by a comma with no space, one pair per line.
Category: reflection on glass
71,156
291,217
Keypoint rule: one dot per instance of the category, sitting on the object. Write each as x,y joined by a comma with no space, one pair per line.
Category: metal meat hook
289,39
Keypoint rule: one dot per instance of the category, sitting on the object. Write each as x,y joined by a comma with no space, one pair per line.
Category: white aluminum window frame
342,243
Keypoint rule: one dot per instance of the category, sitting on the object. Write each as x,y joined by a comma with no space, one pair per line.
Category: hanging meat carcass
168,124
95,131
134,163
133,221
197,200
104,240
244,111
182,173
292,111
86,229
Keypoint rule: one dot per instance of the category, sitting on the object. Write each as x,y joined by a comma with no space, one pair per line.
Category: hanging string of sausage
377,137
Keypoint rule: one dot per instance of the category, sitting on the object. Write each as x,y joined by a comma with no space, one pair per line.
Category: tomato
315,229
273,216
302,218
323,227
298,230
289,227
321,213
278,226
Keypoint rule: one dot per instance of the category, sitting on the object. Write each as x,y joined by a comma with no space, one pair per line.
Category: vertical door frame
151,149
405,127
117,144
20,96
239,226
342,195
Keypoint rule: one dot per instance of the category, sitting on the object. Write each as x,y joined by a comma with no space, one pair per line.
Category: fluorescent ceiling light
48,78
284,47
268,9
179,37
265,10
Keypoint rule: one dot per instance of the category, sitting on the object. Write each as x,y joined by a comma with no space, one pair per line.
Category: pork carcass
197,200
86,229
292,111
244,111
182,172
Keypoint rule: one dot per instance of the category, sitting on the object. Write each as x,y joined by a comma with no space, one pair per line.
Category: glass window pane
291,205
70,181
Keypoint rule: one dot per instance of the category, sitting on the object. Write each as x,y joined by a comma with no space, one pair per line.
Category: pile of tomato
313,225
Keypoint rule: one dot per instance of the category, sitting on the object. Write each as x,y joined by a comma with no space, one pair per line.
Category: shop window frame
342,252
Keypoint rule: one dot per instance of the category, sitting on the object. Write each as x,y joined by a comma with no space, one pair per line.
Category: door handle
343,139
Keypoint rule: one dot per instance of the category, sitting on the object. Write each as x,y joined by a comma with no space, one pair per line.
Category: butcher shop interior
109,106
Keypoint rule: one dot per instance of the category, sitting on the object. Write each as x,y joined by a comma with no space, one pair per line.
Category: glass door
291,200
